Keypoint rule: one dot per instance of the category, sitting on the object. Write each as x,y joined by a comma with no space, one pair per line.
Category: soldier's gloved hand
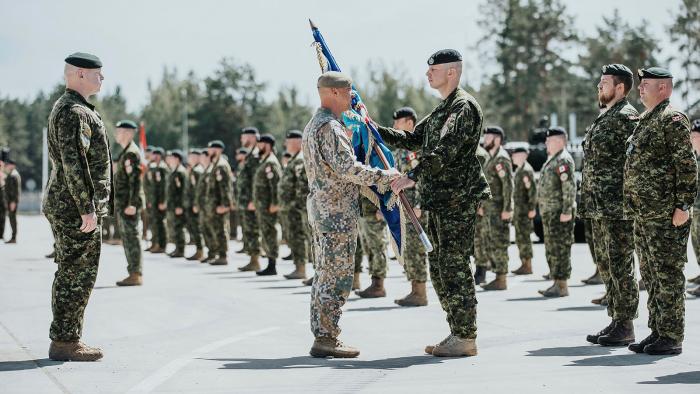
506,215
531,214
162,206
680,217
89,222
178,211
251,207
130,210
565,218
274,208
221,209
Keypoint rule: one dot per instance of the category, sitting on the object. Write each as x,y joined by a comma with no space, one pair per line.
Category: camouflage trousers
333,280
450,271
233,223
267,223
178,230
614,255
415,259
558,238
13,223
251,232
283,218
130,229
498,240
695,234
3,216
77,256
297,238
217,226
373,239
481,258
590,239
523,228
663,253
358,255
156,218
207,236
193,228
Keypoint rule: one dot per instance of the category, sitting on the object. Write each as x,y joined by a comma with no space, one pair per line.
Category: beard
490,145
604,100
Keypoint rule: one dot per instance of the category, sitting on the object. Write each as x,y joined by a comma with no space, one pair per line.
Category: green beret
653,73
294,134
556,130
496,130
84,60
616,69
405,112
444,56
334,79
127,124
216,144
268,138
695,126
158,151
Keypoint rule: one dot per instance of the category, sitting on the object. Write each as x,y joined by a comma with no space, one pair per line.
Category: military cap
84,60
653,73
520,149
695,126
216,144
444,56
127,124
616,69
178,153
195,151
268,138
334,79
294,134
158,151
242,151
150,148
287,155
168,152
495,130
404,112
250,130
556,130
10,161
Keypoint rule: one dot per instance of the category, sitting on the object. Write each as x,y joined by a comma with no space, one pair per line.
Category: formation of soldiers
10,190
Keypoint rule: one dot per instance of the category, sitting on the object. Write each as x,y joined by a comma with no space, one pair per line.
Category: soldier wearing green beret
177,200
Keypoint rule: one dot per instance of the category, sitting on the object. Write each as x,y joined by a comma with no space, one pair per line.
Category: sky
136,39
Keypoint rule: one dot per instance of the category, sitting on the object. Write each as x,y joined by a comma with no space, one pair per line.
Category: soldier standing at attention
244,188
481,260
556,196
267,176
177,200
498,211
660,186
147,180
128,200
3,208
451,187
200,198
78,196
159,173
524,205
241,154
218,200
13,188
695,229
194,172
602,203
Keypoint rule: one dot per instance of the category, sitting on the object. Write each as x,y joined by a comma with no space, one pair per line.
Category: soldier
177,200
293,188
414,255
244,188
373,239
524,205
158,176
334,179
3,154
481,260
267,175
13,188
218,200
451,186
148,153
194,172
200,198
128,200
284,206
602,203
241,154
695,221
498,211
556,196
660,185
78,196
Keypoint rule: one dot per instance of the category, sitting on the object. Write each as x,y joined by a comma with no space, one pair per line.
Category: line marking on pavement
168,370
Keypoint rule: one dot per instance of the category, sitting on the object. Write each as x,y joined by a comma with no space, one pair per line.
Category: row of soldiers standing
10,190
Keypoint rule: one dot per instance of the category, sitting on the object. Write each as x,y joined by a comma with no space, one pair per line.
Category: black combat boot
479,275
664,346
594,337
621,335
639,347
270,270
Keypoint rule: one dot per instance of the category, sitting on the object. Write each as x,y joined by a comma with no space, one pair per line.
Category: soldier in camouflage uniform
194,172
78,195
373,236
284,206
267,175
241,154
556,196
602,203
244,188
217,203
660,186
335,178
524,205
157,174
481,260
177,200
3,209
13,189
200,203
146,192
451,187
498,211
695,221
128,200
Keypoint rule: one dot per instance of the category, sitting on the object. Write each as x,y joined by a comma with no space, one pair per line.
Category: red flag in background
142,145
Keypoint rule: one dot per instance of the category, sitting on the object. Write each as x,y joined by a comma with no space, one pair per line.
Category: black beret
616,69
695,126
84,60
495,130
444,56
4,154
216,144
405,112
243,151
195,151
250,130
520,149
158,150
10,161
267,138
294,134
654,73
556,130
127,124
178,153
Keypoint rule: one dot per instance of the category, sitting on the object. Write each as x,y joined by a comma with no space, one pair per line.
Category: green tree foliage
685,33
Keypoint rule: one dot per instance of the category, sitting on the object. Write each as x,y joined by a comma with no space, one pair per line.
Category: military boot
298,273
695,292
73,351
134,279
639,347
500,283
51,255
417,296
197,255
456,347
270,270
559,289
601,301
525,267
375,290
332,347
222,259
157,249
594,337
429,348
253,264
290,257
547,276
663,346
479,275
177,253
621,335
308,282
594,279
356,285
210,257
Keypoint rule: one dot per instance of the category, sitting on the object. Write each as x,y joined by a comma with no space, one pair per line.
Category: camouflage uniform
13,188
695,225
267,175
499,175
292,190
158,173
128,192
200,198
451,185
333,203
234,216
193,227
556,195
373,238
480,230
2,205
80,183
661,175
602,206
524,201
244,188
177,198
414,254
218,193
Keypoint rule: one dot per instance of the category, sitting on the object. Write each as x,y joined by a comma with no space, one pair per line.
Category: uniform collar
79,97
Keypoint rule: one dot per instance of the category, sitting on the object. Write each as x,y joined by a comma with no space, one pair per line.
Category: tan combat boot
157,249
222,260
558,289
499,283
375,290
456,347
298,273
356,281
600,301
134,279
525,267
197,255
594,279
417,297
332,347
253,265
429,348
73,351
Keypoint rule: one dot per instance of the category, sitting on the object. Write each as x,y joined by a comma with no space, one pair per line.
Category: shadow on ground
6,366
374,308
692,377
305,362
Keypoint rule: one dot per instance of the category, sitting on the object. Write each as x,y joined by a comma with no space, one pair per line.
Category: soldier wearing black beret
244,196
266,201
